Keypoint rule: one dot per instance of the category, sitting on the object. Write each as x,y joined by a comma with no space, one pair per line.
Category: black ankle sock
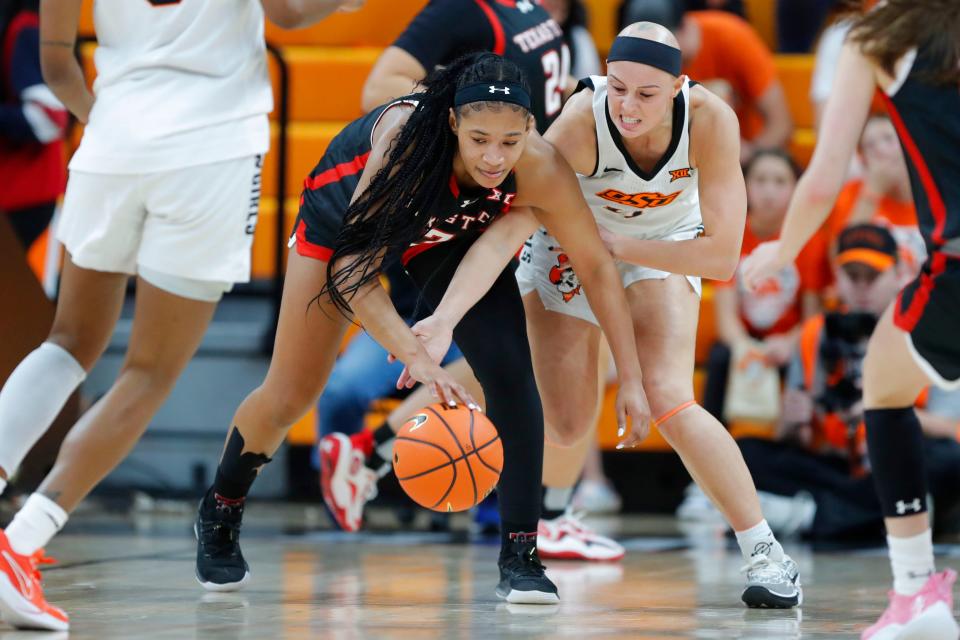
512,530
381,435
237,471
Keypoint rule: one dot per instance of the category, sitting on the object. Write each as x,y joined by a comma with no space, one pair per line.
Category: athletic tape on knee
895,447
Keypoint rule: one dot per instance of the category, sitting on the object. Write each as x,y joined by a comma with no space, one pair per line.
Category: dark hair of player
886,32
393,211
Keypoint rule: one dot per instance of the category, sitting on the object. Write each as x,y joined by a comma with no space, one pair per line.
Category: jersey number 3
556,69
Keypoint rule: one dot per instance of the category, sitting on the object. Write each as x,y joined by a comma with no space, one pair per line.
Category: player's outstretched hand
440,382
611,241
762,264
632,403
435,335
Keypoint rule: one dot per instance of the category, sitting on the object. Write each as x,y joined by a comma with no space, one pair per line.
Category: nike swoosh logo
26,582
612,170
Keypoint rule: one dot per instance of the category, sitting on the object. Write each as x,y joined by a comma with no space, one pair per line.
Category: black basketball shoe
220,564
522,577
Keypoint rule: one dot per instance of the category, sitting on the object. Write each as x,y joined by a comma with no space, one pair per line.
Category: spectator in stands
32,125
768,319
814,478
724,52
883,194
571,15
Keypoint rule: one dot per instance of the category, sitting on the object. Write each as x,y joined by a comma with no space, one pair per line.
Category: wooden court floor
123,576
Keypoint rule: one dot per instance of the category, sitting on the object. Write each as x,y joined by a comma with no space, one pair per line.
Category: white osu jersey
629,201
179,83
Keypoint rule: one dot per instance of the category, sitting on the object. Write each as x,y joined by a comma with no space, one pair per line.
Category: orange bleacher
328,64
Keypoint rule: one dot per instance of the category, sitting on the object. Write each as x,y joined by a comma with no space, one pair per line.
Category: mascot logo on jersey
562,275
645,200
678,174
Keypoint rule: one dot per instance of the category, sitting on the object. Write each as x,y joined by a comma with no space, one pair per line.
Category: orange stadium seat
306,143
326,82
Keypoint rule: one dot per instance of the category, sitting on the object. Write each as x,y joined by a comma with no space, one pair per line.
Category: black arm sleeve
445,30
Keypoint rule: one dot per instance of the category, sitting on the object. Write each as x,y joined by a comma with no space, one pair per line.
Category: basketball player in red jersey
910,49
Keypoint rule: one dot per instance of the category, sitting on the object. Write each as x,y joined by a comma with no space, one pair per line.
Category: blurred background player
32,126
910,50
159,189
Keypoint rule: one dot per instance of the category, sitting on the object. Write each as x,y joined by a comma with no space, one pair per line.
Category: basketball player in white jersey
165,186
658,161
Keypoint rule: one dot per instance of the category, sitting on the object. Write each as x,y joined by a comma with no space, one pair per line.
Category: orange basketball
447,458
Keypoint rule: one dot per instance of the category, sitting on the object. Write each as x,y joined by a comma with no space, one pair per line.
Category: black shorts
928,309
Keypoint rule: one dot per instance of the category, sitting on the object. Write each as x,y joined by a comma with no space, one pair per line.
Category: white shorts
544,268
195,223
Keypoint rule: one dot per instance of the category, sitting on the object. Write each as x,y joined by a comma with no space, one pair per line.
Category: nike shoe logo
26,582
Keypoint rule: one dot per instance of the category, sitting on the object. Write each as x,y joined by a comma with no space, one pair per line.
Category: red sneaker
346,482
21,596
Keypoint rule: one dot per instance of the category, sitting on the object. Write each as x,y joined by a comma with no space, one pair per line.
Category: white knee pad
202,290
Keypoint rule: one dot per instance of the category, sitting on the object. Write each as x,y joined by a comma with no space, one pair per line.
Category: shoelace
525,562
220,536
574,521
38,558
764,567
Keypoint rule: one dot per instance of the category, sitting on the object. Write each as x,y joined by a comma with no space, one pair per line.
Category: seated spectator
32,125
769,318
815,477
723,52
883,194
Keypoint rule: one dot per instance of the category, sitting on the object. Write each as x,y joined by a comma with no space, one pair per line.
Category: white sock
35,524
385,451
31,399
759,539
3,486
555,499
912,562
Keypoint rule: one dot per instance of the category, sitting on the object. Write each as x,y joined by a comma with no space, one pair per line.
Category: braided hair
391,213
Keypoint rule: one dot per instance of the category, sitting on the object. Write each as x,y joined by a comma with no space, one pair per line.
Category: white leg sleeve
32,397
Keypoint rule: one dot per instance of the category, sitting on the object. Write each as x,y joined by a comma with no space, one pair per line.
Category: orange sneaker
21,596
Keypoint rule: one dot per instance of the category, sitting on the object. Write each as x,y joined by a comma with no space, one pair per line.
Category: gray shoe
770,584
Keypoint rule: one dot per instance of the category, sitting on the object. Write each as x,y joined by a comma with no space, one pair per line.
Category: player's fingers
465,396
621,419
